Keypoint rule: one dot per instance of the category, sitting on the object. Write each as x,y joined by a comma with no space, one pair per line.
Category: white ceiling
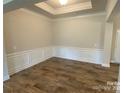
56,4
55,8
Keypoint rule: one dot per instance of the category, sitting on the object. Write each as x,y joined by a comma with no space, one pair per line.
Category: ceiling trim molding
33,13
66,18
75,7
81,16
45,7
66,9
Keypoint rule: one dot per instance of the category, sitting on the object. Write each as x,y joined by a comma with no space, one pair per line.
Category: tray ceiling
55,8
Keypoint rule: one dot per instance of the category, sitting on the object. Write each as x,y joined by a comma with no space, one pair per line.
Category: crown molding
33,13
46,7
81,16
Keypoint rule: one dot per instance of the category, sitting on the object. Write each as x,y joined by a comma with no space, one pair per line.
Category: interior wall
24,30
5,68
116,27
84,32
112,8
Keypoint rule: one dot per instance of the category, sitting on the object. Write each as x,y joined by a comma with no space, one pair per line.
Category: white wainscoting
5,77
21,60
81,54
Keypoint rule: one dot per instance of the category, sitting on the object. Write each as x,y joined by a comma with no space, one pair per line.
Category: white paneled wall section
22,60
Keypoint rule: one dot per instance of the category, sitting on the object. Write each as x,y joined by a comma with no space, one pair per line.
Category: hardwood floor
58,75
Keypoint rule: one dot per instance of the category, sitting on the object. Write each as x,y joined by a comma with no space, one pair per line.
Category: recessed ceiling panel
56,3
54,7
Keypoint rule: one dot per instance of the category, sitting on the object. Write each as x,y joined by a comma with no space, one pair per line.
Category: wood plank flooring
58,75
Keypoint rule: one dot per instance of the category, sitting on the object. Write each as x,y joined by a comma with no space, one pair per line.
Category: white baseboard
113,61
106,65
22,60
6,77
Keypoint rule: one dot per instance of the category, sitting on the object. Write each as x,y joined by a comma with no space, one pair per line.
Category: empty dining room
61,46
